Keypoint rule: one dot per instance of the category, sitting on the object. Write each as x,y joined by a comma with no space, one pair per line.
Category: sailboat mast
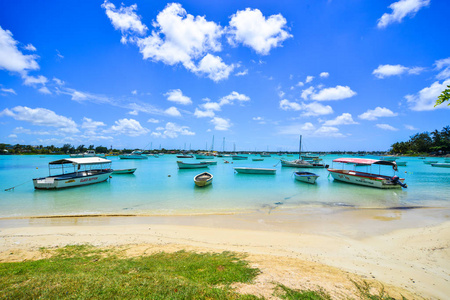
300,148
223,146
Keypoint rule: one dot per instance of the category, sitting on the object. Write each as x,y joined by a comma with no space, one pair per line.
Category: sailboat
301,163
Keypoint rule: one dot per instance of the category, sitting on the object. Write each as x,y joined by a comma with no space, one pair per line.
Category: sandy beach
406,251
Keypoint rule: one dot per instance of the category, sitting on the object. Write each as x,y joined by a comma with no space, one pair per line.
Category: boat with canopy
75,172
365,178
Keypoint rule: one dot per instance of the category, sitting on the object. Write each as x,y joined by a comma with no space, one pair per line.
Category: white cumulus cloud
40,117
178,97
335,93
378,112
124,19
384,71
426,98
344,119
172,111
221,123
324,75
400,10
386,127
252,29
443,65
128,127
172,130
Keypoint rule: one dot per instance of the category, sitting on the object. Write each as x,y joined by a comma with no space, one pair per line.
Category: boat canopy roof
366,161
80,161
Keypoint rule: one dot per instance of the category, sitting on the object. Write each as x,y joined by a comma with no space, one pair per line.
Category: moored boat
136,154
185,156
188,165
265,154
401,163
239,157
265,171
124,171
88,153
211,162
306,177
429,162
367,179
86,170
441,165
257,159
203,179
299,163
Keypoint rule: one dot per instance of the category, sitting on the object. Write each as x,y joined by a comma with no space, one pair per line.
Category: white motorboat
88,153
86,170
136,154
264,171
367,179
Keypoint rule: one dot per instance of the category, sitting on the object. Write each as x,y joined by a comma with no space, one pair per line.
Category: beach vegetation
368,291
437,142
88,272
443,97
284,292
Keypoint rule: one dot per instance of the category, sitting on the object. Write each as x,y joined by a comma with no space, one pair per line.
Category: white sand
409,250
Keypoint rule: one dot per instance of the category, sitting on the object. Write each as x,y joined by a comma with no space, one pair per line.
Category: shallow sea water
158,187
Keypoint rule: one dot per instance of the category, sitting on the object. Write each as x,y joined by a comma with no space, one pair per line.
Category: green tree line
425,142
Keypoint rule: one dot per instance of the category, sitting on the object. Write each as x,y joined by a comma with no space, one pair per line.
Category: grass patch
88,272
286,293
367,291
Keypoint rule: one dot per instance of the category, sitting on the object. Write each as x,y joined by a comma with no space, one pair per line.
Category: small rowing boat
257,159
441,165
264,171
124,171
203,179
306,177
187,165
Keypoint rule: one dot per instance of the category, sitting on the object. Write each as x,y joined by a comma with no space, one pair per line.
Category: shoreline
408,249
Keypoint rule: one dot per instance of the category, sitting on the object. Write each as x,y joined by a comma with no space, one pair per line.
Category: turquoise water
159,188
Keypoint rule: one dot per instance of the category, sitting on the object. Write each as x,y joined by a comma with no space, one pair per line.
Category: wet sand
406,250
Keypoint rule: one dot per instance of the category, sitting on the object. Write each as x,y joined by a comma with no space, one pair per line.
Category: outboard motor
396,180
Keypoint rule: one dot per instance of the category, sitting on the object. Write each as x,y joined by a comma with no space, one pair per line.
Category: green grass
286,293
364,289
87,272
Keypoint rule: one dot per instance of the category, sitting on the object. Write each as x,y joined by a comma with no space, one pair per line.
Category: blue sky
346,75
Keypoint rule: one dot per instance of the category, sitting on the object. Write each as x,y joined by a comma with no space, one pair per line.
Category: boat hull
132,157
235,157
305,164
441,165
124,171
182,165
70,180
306,177
255,171
365,179
203,179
